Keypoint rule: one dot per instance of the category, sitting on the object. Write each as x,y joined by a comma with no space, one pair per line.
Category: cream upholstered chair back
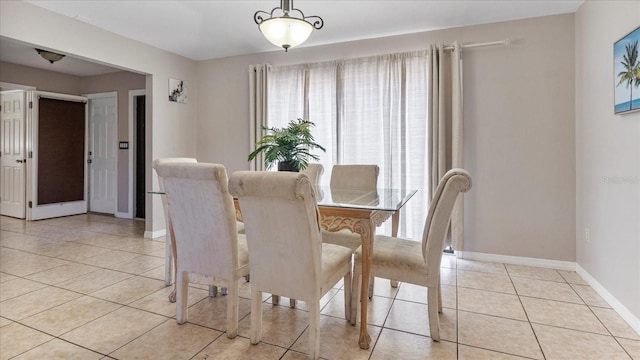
208,248
356,177
454,182
286,252
170,249
279,210
203,217
314,172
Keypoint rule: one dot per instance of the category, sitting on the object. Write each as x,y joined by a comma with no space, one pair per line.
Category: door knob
19,161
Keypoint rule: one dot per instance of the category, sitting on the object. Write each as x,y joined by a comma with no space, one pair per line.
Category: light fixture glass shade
286,32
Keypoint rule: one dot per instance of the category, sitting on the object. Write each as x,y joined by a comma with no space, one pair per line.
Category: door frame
23,146
132,149
110,94
46,211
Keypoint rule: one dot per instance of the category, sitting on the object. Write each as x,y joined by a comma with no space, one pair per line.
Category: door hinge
30,154
30,204
30,104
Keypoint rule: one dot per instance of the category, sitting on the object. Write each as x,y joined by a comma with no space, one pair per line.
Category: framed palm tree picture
626,70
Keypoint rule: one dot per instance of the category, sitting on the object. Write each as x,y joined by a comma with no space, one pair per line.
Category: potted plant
289,146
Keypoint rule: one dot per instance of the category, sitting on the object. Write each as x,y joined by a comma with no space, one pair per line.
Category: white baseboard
622,310
518,260
154,234
123,215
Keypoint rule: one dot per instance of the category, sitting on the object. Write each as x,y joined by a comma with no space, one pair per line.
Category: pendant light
283,29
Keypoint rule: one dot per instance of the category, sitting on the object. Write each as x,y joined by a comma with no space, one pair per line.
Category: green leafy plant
291,144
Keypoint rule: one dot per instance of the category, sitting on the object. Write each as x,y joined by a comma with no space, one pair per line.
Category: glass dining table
361,212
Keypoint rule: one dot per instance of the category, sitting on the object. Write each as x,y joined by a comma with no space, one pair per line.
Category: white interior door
103,152
13,161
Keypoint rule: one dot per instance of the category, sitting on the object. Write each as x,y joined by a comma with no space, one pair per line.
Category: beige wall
42,80
171,127
121,82
519,126
607,146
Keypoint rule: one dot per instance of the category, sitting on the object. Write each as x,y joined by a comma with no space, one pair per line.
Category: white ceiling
202,30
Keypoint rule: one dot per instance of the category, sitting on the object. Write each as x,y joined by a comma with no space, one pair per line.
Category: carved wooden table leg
366,230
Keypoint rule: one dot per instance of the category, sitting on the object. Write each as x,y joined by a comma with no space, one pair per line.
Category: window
367,111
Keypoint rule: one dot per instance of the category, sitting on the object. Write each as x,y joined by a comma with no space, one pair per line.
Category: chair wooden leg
372,282
314,330
256,316
182,291
356,283
393,283
232,309
347,296
432,305
275,299
292,303
213,291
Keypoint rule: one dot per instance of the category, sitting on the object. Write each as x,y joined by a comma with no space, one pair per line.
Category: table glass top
379,199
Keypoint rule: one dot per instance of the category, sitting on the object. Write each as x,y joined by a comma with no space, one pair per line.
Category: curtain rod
492,43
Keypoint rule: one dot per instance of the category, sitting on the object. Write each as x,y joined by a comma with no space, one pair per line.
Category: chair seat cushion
336,260
397,259
343,238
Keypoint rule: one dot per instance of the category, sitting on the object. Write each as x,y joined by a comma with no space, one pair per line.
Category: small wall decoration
626,71
177,91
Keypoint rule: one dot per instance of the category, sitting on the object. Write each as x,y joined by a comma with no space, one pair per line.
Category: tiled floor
90,287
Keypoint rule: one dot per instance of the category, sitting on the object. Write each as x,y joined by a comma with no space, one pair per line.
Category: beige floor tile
498,334
110,332
534,272
546,290
20,263
393,344
558,343
281,326
138,265
34,302
73,251
62,273
473,353
168,341
338,340
294,355
448,276
70,315
4,322
572,277
590,296
129,290
105,240
18,286
414,318
482,266
449,261
382,287
483,281
109,258
377,308
4,277
158,302
566,315
240,348
416,293
212,311
94,281
491,303
615,323
145,247
631,346
16,339
57,349
156,273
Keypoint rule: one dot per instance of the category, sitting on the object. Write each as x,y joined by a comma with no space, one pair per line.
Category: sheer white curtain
367,111
258,95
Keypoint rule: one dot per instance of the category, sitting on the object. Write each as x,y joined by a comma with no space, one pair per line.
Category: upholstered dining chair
314,172
350,177
208,248
169,263
286,252
418,262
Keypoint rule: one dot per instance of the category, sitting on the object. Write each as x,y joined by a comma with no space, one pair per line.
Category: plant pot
287,166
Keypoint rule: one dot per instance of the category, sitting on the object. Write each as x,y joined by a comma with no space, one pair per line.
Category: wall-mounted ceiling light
284,30
50,56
